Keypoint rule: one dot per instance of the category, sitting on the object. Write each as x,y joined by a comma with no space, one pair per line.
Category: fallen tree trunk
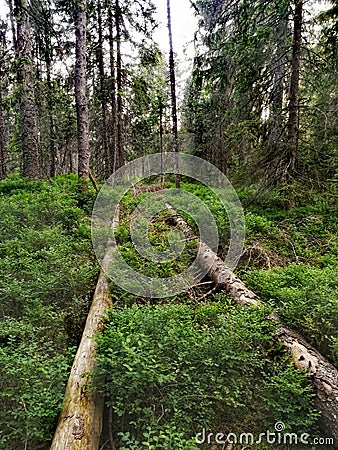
323,375
80,422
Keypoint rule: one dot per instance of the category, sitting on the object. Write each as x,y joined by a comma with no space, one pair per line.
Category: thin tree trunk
161,107
80,422
25,76
112,148
11,16
323,375
173,99
81,89
119,104
3,162
278,85
52,147
102,94
293,127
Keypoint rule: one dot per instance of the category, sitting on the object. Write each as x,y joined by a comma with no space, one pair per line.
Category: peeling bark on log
324,378
219,272
224,277
323,375
80,422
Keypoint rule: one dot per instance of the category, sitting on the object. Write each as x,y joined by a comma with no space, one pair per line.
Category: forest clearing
169,240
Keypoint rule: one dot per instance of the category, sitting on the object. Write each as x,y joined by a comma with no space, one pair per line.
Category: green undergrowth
306,233
161,239
290,258
47,275
307,299
172,367
295,262
170,371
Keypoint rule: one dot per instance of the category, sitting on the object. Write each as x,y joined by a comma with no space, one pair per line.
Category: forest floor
172,368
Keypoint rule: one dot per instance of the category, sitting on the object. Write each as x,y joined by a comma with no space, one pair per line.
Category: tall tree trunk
52,147
25,76
3,163
112,146
119,153
11,16
81,88
161,107
173,99
102,93
278,85
293,122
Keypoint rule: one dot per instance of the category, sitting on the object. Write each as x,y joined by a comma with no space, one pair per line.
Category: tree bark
102,93
11,16
3,163
52,147
278,85
112,147
25,71
323,375
119,153
293,121
161,108
81,88
173,100
80,422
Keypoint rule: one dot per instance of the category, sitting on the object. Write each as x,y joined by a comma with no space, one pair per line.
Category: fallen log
323,375
219,272
81,418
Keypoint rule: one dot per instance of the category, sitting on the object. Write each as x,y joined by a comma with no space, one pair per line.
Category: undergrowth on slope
172,370
172,367
161,397
47,274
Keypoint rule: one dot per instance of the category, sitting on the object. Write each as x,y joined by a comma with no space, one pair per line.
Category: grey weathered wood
323,375
80,422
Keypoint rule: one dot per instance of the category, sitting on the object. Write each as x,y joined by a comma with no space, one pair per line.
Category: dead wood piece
218,272
80,422
323,375
141,189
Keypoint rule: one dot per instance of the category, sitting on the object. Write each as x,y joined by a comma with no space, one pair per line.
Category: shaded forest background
83,85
